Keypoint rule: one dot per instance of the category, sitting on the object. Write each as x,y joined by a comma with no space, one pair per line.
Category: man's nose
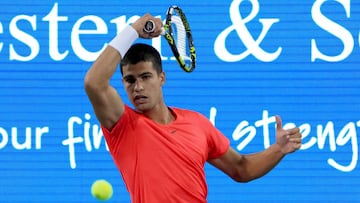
138,86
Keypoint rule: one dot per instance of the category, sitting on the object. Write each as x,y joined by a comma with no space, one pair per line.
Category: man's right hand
139,25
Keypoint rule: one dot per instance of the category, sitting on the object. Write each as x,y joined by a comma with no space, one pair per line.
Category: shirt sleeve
218,143
113,135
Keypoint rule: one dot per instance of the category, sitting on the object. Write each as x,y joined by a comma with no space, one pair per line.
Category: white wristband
124,40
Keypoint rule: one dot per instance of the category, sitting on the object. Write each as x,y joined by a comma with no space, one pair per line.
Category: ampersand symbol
239,25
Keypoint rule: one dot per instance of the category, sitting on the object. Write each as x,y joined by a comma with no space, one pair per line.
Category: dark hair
142,52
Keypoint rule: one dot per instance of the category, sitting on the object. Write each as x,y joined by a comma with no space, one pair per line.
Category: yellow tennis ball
102,190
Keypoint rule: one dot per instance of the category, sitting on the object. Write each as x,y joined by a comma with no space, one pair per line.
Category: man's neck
161,114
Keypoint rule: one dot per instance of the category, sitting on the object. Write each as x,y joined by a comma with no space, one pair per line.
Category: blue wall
256,59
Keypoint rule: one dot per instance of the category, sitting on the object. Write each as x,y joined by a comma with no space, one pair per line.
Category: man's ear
162,76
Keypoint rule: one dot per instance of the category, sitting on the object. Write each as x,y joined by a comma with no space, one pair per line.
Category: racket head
178,34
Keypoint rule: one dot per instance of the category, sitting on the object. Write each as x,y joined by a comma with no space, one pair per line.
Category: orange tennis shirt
165,163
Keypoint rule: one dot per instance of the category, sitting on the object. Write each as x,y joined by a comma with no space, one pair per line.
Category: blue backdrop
256,59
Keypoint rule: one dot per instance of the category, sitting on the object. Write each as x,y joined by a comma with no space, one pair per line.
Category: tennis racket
177,33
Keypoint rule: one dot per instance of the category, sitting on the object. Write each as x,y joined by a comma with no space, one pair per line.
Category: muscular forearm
287,141
102,69
106,64
261,163
244,168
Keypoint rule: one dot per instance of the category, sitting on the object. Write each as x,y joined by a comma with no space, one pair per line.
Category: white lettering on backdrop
252,46
91,136
239,25
28,40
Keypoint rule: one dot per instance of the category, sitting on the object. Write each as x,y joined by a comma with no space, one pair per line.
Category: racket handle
150,27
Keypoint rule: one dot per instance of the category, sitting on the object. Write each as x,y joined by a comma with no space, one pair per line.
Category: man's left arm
244,168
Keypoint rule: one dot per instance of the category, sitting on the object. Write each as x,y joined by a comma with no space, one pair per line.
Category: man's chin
141,107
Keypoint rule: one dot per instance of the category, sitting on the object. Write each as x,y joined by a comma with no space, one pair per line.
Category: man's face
143,85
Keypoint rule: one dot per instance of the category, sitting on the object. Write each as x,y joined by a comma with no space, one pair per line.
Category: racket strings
179,34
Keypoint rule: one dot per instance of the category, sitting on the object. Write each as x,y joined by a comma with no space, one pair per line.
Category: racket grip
150,27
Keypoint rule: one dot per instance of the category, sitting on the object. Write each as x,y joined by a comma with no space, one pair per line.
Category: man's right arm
107,103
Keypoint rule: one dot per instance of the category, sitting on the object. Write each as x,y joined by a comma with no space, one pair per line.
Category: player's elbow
89,86
242,178
243,175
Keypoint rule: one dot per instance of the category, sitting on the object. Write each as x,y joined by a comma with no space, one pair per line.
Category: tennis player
159,150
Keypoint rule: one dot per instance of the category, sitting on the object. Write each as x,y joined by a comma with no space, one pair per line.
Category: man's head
142,52
143,77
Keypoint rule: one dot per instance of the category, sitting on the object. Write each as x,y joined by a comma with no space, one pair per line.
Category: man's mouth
139,99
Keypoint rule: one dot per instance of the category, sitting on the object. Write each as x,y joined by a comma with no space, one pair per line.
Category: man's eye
144,77
130,80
